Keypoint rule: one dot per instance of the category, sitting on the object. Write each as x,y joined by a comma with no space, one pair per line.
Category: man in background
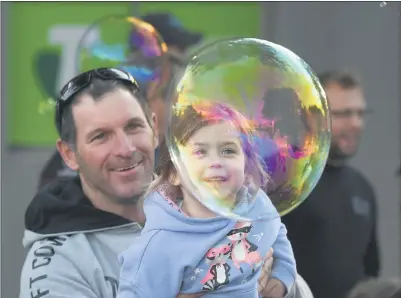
333,233
178,40
174,34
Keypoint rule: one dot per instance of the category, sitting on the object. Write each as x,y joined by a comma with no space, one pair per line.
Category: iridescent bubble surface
123,42
244,105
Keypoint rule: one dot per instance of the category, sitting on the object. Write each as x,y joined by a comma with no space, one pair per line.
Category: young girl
185,247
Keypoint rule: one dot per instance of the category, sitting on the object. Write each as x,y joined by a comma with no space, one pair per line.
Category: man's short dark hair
345,79
97,89
172,31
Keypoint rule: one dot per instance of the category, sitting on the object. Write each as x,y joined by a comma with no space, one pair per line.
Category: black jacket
54,169
333,233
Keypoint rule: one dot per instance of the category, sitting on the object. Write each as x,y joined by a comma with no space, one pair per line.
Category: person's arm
146,270
372,259
300,289
50,271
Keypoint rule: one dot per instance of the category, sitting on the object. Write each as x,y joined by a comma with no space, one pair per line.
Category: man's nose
356,121
124,146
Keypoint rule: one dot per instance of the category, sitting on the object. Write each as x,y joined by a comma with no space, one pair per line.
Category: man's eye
133,126
99,136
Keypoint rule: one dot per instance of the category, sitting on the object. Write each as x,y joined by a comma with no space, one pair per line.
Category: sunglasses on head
82,81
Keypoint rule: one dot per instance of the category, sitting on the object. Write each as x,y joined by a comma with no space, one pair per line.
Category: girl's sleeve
284,266
147,270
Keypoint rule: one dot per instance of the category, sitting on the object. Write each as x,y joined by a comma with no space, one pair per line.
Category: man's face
347,108
158,105
114,145
157,94
176,50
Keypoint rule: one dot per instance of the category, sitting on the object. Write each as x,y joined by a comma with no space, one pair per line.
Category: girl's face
214,157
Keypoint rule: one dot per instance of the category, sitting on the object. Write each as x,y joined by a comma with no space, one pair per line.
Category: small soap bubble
123,42
383,4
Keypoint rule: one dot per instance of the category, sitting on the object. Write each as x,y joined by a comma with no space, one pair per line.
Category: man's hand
274,289
266,271
189,295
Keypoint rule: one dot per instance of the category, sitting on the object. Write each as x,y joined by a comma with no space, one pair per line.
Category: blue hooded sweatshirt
217,256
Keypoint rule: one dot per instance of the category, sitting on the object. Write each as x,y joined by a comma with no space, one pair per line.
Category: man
178,40
333,232
76,229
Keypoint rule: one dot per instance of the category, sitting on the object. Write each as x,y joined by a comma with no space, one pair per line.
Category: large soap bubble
123,42
248,115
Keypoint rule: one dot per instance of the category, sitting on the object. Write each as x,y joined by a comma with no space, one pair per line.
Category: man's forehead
344,97
116,98
112,107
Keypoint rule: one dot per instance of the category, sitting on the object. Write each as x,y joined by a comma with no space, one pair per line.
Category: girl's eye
200,152
228,151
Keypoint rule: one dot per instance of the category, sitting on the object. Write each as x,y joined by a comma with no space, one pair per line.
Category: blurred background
38,51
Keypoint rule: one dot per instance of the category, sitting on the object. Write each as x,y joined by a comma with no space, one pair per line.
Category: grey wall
365,37
1,142
361,35
19,172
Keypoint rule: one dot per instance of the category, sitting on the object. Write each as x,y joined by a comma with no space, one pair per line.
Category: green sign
42,39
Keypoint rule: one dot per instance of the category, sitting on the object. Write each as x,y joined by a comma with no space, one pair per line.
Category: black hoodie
333,233
62,207
74,247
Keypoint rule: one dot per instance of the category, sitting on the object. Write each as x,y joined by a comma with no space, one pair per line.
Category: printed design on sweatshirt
239,250
219,271
242,250
196,272
258,236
